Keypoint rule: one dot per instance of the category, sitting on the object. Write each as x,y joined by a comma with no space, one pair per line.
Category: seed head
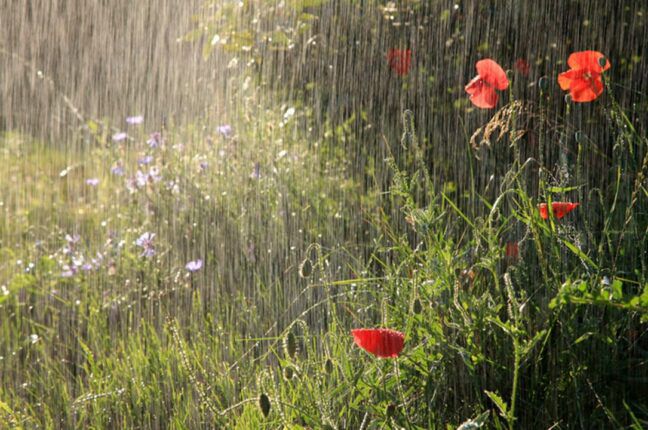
290,345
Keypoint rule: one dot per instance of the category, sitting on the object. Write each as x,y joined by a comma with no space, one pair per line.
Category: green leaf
573,248
499,402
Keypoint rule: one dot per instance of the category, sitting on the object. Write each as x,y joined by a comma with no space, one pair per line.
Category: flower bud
418,306
328,366
602,61
290,345
306,268
264,404
543,83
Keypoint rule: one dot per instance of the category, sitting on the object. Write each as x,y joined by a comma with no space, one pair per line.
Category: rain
332,214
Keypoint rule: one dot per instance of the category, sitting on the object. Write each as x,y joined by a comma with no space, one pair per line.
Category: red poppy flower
522,66
560,209
490,77
382,342
583,80
400,60
512,250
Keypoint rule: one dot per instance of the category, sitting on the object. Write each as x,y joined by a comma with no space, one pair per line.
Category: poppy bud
290,345
288,373
579,136
306,268
543,83
264,404
418,306
568,98
328,366
602,61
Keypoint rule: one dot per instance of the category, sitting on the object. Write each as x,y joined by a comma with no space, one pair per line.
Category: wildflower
490,77
96,262
68,271
72,241
118,137
145,160
559,209
117,169
135,120
145,241
93,182
203,165
522,66
400,60
225,130
154,140
256,171
154,175
512,250
382,342
583,80
194,266
141,179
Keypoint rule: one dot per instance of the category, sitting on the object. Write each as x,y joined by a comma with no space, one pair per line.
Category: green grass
556,337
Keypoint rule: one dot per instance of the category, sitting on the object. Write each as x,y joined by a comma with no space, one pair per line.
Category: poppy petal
560,209
586,90
474,85
492,73
400,60
587,60
383,343
484,97
565,79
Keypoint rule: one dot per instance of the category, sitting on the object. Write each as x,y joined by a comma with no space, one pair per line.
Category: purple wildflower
118,137
194,266
225,130
117,169
68,271
131,185
256,172
154,175
154,140
204,165
141,179
87,267
93,182
71,243
145,241
135,120
145,160
97,261
72,239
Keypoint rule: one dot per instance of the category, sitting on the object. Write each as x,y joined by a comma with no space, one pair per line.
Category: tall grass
552,336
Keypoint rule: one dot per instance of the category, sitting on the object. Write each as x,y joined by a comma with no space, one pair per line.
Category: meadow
196,253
